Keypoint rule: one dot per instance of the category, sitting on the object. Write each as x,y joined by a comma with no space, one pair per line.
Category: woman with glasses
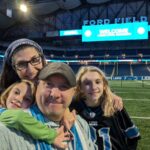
23,59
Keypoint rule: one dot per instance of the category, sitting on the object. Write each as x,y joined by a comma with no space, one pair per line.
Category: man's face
53,96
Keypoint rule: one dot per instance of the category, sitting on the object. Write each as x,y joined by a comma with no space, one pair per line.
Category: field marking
134,92
143,83
131,88
121,92
129,99
136,117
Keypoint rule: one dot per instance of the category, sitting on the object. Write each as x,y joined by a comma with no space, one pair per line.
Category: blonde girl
94,102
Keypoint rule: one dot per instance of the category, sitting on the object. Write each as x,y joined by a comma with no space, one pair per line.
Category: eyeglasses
24,64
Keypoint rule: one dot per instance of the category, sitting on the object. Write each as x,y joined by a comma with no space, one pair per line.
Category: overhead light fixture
23,7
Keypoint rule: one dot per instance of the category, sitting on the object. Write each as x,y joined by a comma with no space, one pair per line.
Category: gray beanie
14,45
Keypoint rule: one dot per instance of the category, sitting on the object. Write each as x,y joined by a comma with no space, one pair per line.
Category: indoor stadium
112,35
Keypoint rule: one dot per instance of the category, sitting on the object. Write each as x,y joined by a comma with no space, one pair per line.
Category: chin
94,98
54,111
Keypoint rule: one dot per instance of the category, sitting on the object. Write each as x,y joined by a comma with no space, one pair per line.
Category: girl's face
20,96
92,86
27,63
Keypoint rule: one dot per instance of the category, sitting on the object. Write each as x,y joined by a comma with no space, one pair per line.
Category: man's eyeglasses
24,64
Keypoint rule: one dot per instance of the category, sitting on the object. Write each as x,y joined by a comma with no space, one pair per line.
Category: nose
18,101
93,86
19,98
55,93
30,70
29,67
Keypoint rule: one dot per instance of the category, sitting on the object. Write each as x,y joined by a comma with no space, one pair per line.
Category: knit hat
14,45
58,68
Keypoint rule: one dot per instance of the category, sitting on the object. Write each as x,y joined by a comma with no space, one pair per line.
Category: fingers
74,114
66,124
60,130
69,119
61,141
63,145
118,104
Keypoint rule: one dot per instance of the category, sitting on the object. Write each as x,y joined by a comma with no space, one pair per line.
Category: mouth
93,93
29,77
15,105
52,102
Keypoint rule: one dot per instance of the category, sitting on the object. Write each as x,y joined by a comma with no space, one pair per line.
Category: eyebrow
29,59
17,89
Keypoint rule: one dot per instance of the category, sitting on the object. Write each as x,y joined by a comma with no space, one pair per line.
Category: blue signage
70,32
130,78
111,32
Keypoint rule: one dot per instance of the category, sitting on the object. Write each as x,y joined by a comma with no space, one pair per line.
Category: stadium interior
44,19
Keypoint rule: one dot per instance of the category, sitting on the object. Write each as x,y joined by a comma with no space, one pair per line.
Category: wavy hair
106,99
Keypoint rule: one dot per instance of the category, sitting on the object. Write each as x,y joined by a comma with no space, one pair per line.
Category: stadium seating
140,70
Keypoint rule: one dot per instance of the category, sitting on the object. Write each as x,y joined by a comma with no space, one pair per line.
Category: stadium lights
91,55
140,55
52,55
23,7
76,56
106,55
123,55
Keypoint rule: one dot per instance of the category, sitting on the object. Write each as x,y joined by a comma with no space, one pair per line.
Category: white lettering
116,20
114,32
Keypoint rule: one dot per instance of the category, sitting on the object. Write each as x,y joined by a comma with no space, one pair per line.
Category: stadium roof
9,15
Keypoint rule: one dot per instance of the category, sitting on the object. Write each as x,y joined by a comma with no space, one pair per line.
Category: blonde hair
5,94
106,104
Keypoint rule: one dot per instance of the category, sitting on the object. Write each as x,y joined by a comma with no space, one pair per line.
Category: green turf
136,99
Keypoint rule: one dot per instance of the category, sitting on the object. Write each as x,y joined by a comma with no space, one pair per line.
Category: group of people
45,106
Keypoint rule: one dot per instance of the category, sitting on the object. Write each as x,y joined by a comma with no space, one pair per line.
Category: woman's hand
117,102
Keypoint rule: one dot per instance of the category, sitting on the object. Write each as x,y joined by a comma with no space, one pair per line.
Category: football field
136,99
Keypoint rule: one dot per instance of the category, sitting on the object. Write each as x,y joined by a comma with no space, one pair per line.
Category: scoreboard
110,32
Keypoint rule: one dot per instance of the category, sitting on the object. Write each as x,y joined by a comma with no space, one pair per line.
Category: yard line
128,99
131,89
121,92
134,92
136,117
143,83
